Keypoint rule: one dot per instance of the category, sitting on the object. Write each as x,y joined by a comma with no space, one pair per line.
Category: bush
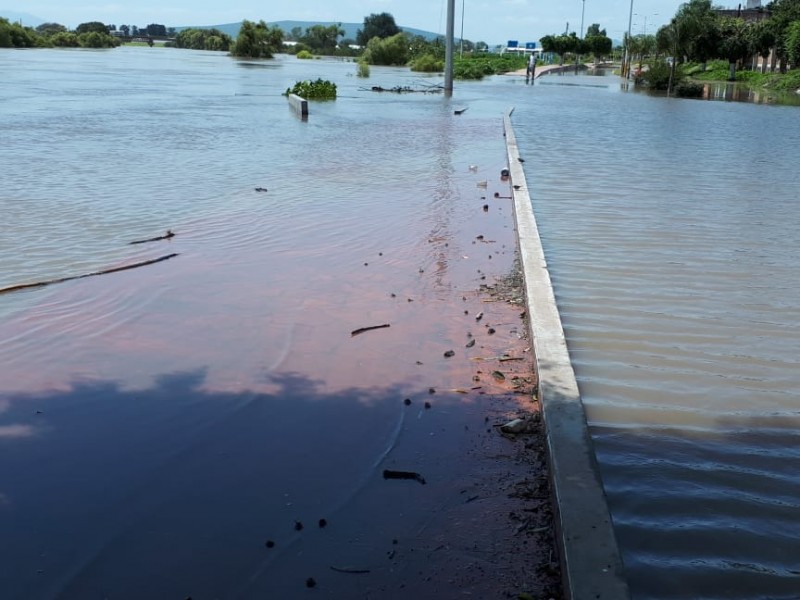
427,63
389,51
314,90
64,39
657,76
363,68
304,55
689,90
257,40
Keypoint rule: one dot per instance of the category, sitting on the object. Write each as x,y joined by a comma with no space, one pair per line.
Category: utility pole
448,49
461,55
626,66
583,9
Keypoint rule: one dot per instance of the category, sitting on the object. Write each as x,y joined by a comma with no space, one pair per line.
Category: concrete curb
590,560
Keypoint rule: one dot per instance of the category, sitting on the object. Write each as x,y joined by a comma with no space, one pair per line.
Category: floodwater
165,431
158,425
670,228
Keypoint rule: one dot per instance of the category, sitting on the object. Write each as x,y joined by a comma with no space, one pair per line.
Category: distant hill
350,29
15,17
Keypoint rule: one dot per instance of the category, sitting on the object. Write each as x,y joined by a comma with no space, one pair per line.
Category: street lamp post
461,54
448,48
626,67
583,9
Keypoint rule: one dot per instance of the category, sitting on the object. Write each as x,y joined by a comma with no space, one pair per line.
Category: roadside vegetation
570,48
54,35
701,44
203,39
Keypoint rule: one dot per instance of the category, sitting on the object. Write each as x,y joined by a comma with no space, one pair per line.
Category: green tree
599,45
640,46
203,39
699,25
323,39
594,29
393,50
793,43
562,45
14,35
48,29
734,42
95,26
65,39
783,14
295,34
125,29
377,25
257,40
156,29
762,40
95,39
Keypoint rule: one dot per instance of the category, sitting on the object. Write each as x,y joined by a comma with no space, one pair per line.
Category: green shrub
304,55
689,90
363,68
427,63
314,90
393,50
468,70
656,77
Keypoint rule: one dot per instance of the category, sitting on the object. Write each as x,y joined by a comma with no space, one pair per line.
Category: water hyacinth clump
314,90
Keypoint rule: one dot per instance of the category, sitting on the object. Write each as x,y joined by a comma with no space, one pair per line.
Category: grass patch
719,70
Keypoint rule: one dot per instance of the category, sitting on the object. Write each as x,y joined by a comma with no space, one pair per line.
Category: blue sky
492,21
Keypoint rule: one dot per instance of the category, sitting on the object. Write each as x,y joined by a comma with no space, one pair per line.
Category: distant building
752,13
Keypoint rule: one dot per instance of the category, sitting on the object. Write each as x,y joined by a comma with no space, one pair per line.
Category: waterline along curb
590,560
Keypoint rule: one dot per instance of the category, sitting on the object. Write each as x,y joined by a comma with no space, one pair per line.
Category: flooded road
208,426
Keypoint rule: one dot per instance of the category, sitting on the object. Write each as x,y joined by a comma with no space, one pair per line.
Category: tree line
93,34
595,42
700,33
378,42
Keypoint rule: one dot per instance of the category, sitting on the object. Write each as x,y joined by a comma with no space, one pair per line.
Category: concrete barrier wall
591,563
299,104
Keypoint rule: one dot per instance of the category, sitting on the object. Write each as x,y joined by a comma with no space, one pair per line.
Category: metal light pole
626,67
448,49
583,9
461,54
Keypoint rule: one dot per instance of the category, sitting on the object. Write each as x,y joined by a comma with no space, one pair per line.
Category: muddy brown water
179,430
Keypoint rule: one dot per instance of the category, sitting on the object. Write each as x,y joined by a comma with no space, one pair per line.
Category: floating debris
13,288
261,189
404,89
350,570
449,354
389,474
361,330
166,236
